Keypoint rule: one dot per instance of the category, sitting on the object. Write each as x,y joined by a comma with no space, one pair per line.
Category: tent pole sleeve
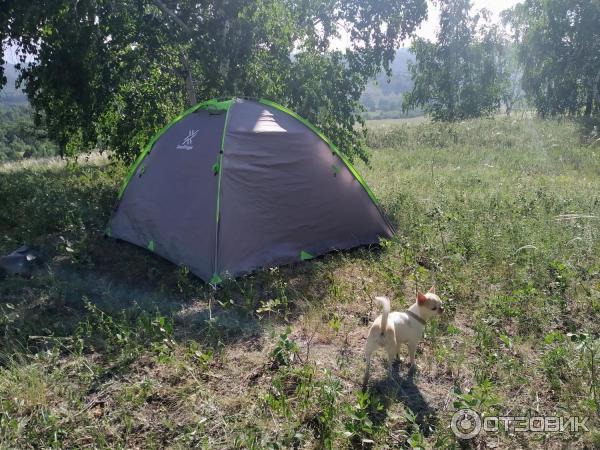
218,205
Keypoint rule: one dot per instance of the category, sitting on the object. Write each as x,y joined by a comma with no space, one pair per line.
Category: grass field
108,346
382,123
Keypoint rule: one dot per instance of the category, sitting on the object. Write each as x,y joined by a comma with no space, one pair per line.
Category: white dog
391,329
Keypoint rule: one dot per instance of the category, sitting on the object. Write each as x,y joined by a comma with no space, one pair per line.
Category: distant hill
383,100
10,94
19,137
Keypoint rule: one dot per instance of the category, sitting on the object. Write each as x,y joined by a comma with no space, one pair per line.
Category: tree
459,77
512,92
368,102
109,74
559,52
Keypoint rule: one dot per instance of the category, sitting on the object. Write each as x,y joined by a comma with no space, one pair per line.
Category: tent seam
218,205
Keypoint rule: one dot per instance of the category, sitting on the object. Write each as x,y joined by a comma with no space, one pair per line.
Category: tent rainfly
234,185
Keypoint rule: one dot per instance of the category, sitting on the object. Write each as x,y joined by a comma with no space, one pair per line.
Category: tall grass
108,346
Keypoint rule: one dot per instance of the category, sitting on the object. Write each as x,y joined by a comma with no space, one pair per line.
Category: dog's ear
421,299
432,289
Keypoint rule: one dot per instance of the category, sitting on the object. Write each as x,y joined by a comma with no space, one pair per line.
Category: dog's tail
385,303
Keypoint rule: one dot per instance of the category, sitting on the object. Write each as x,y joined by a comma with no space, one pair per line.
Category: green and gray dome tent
232,186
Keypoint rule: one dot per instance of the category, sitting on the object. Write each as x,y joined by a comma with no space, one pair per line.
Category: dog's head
429,304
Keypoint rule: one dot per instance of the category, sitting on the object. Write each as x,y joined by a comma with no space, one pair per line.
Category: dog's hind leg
368,364
392,351
367,371
370,347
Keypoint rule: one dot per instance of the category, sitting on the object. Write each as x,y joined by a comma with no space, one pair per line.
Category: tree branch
160,5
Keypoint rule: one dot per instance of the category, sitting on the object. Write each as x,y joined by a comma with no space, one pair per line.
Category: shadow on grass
125,282
63,212
401,388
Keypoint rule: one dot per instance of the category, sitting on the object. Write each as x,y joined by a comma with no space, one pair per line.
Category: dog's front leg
412,350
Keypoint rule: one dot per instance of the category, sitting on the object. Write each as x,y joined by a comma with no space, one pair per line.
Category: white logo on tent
187,142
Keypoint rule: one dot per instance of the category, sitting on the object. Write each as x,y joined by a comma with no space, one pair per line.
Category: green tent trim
305,256
215,280
223,105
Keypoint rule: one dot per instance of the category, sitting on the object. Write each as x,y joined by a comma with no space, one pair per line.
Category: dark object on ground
20,262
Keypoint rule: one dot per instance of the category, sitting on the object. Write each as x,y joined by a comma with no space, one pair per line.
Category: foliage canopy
460,76
108,74
559,51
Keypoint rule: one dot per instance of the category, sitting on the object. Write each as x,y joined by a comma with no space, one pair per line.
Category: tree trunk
588,104
190,88
596,93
